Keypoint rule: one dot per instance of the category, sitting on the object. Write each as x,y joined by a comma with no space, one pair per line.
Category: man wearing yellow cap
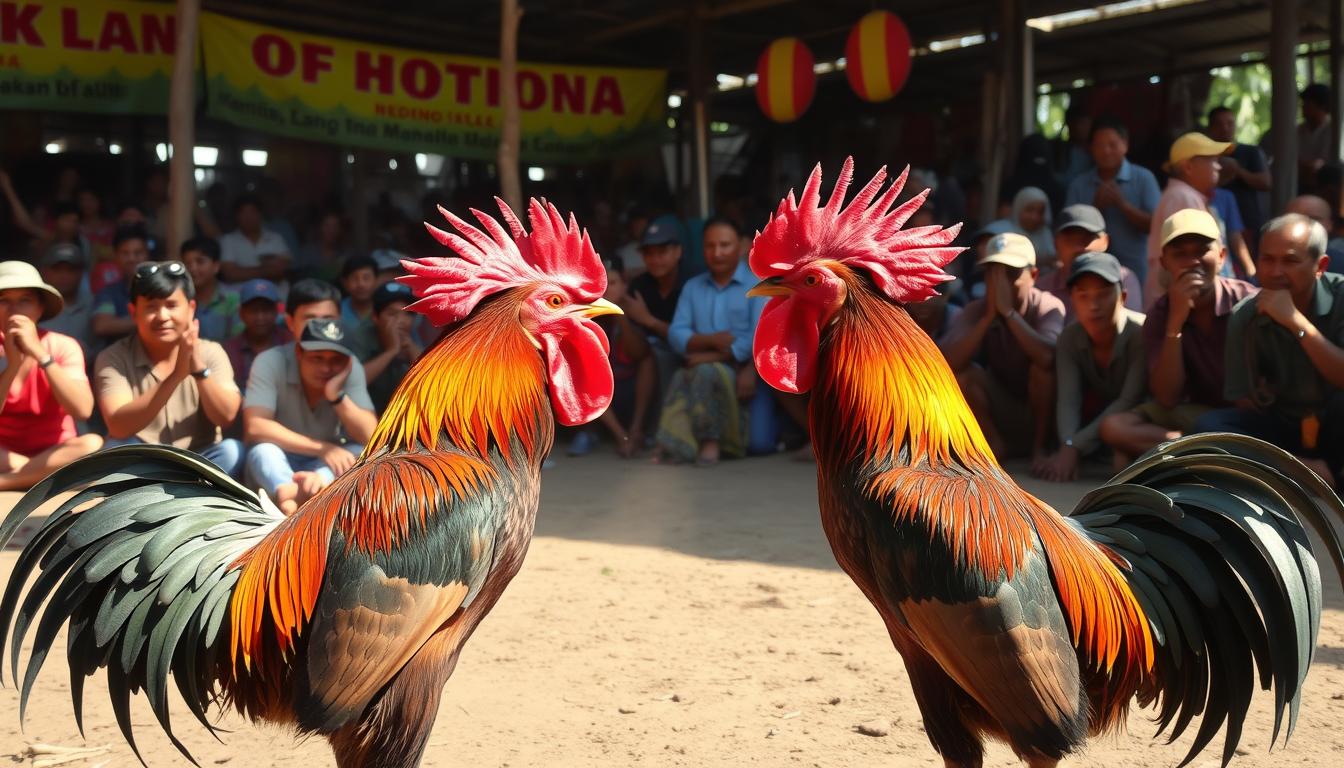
1002,348
1184,339
1194,168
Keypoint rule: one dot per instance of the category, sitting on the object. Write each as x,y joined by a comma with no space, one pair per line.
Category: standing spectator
322,258
43,381
1033,169
359,279
1098,363
63,268
216,306
1083,230
1184,338
1245,173
1074,157
1223,205
703,415
1002,349
251,251
1193,165
258,309
1285,351
1313,134
1126,194
112,318
164,384
308,414
398,345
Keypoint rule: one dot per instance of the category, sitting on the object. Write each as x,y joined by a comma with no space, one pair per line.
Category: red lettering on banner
70,31
608,97
273,55
367,72
117,33
531,90
568,93
420,79
492,87
462,75
17,24
316,58
158,33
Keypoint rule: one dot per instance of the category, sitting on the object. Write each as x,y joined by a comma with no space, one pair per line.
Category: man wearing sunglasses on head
164,384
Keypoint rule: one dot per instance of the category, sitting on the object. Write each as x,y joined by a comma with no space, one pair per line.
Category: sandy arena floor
673,617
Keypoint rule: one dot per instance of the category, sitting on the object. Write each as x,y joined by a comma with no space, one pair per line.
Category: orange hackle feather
888,403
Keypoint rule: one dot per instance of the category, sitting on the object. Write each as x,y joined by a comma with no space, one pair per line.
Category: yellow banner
86,55
360,94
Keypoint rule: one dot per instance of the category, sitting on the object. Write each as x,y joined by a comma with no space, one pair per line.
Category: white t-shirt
236,248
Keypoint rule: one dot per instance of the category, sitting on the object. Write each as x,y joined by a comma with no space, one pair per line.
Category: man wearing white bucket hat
43,382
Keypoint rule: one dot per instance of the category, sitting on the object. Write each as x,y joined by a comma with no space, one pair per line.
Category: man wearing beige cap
1194,168
1184,338
43,382
1002,348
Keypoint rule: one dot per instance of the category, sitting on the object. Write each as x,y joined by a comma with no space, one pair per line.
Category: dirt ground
674,617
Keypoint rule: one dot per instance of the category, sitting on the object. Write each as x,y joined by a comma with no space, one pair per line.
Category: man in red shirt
43,381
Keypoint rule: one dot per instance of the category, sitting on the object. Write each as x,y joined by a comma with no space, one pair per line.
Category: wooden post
1283,101
510,135
698,93
1337,88
182,128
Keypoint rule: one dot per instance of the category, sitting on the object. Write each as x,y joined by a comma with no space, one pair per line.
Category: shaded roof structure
1072,40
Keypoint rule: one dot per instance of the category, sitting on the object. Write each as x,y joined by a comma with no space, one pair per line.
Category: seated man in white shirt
251,251
307,414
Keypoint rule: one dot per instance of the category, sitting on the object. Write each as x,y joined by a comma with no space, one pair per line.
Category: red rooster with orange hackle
347,618
1169,586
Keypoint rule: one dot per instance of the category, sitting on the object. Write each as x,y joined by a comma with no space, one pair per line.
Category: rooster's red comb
493,260
906,265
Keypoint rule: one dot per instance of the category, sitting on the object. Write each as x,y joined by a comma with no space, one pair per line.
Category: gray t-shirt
274,385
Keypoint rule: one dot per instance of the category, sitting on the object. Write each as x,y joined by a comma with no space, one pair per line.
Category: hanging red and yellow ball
877,56
785,81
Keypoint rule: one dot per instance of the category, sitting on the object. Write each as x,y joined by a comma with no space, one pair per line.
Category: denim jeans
227,454
270,467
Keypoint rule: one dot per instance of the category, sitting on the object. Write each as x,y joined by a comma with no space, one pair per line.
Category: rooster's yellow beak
599,308
770,286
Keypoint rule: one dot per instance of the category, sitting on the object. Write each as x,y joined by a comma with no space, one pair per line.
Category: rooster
1015,622
347,618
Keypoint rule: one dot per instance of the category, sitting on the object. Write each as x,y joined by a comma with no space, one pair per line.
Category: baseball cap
1190,221
324,333
258,289
390,292
1011,250
63,253
1082,216
1195,144
663,230
1103,265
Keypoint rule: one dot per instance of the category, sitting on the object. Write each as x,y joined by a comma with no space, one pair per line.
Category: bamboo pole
182,127
510,135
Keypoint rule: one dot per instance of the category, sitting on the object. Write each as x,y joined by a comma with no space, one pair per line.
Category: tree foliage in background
1244,88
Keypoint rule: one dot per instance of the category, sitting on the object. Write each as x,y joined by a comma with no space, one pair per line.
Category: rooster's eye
556,301
811,281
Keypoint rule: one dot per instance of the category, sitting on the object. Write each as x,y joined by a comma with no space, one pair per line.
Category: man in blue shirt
704,414
1126,194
